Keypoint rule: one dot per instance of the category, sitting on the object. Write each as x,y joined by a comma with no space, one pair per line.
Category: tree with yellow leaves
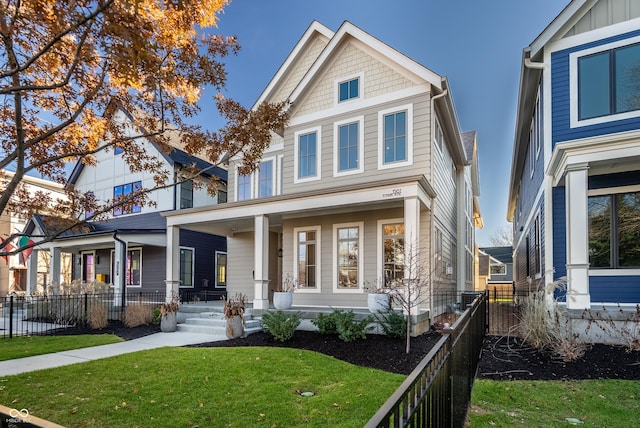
67,65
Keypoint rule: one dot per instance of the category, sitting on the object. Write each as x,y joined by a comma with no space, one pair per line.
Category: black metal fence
438,391
190,296
38,315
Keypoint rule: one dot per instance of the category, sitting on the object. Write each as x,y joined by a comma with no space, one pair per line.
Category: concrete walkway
64,358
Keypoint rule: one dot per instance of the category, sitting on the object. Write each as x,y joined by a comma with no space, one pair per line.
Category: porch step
214,323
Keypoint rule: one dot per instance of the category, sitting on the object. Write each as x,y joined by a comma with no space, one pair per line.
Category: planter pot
168,322
234,327
282,300
378,302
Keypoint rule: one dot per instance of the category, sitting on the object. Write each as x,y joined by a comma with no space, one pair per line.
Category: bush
97,316
138,314
280,325
393,324
157,315
342,323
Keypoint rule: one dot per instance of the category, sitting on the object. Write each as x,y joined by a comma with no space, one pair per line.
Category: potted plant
379,297
283,295
168,314
233,309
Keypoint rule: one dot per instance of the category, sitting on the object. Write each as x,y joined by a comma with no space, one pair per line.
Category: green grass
597,403
24,346
221,387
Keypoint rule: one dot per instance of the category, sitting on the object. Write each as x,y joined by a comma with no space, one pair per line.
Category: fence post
86,309
10,317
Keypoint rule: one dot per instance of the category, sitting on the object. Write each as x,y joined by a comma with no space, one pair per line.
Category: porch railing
438,391
36,315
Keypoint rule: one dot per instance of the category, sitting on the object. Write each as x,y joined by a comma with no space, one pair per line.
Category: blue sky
476,44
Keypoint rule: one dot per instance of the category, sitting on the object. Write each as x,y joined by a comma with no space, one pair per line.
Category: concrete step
215,325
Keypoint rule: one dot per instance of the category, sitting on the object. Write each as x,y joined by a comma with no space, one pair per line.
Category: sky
476,44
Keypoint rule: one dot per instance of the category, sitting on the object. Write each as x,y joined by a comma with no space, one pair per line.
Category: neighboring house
129,249
372,158
574,196
499,269
13,269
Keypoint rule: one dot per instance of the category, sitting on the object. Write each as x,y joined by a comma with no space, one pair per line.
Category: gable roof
502,254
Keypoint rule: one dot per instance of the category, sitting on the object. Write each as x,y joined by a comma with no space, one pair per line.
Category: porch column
32,272
55,262
119,266
172,281
412,248
577,220
261,262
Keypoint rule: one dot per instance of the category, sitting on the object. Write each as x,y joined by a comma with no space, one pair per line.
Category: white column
55,263
412,250
172,280
32,272
577,220
119,266
261,262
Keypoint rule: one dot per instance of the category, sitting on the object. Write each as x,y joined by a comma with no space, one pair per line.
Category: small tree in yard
66,67
416,286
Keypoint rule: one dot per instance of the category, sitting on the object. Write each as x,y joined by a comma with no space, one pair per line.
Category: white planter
378,302
282,300
234,327
168,322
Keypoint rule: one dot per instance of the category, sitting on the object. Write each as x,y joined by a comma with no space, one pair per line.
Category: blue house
574,197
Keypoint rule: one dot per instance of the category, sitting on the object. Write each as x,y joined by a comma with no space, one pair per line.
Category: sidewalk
64,358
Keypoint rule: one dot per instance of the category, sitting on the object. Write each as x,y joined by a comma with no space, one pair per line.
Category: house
13,272
128,250
574,197
371,170
499,268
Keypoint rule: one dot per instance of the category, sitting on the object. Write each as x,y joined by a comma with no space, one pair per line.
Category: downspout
124,244
534,65
175,190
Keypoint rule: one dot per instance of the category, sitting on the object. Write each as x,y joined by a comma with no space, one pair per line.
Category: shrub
326,323
349,330
393,324
157,315
138,314
97,316
280,325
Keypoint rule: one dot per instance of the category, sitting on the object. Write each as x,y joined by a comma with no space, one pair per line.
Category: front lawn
596,403
28,346
222,387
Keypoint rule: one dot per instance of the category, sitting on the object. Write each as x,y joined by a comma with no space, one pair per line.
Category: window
222,196
307,254
88,267
133,268
348,147
393,252
535,137
438,252
125,191
349,89
118,150
395,137
537,249
307,155
186,267
186,194
221,269
498,269
348,271
438,136
607,82
614,231
265,179
244,187
88,212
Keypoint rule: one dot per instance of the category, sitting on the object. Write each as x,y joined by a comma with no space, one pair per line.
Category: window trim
318,230
296,150
215,281
336,146
360,288
193,264
336,88
575,121
408,109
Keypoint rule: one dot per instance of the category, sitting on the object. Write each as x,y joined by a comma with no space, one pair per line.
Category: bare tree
502,237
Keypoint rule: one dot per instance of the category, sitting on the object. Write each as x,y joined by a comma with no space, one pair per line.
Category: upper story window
307,155
438,136
498,269
266,179
244,187
605,79
348,147
186,194
395,137
349,89
123,191
118,150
